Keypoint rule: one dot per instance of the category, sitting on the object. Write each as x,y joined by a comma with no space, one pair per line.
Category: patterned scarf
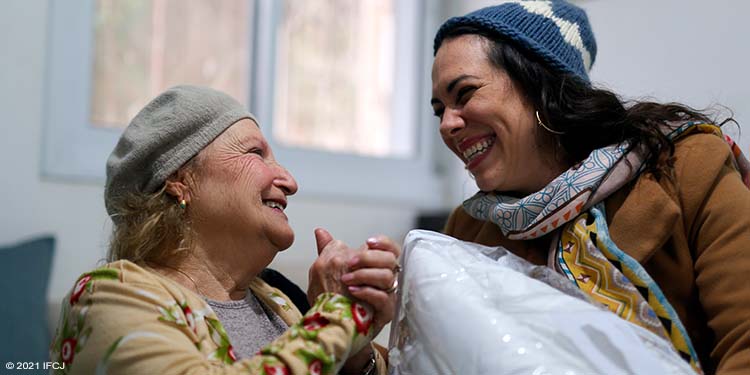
572,202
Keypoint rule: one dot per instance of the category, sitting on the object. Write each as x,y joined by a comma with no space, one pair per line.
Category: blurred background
341,89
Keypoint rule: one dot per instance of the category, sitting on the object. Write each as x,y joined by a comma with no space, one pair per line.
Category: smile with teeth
273,204
477,149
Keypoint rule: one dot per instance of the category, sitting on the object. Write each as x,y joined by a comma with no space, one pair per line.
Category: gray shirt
249,323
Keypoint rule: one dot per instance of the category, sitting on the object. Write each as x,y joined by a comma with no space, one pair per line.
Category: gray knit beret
165,135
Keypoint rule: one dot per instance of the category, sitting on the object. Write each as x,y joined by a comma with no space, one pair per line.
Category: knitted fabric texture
557,32
166,134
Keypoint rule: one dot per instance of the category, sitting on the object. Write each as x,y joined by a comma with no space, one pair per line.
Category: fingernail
372,241
353,261
354,288
347,277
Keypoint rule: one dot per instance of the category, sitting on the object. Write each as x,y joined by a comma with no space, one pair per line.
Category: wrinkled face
240,192
486,121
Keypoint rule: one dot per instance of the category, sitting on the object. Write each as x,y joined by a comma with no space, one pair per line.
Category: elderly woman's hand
332,263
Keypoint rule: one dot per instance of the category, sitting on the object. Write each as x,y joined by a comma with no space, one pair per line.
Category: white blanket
469,309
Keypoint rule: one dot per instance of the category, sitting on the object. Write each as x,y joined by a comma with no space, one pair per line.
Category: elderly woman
639,204
197,200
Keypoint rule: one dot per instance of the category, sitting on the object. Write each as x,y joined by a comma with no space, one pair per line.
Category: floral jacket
124,319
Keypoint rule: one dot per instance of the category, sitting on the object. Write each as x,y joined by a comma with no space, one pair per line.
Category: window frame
414,181
74,149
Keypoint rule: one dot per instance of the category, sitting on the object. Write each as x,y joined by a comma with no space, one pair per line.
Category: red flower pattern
189,317
79,288
277,369
68,350
362,317
316,367
315,322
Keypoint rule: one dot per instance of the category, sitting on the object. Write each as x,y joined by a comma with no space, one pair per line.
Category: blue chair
24,276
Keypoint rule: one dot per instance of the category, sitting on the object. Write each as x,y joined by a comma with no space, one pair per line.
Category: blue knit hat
556,31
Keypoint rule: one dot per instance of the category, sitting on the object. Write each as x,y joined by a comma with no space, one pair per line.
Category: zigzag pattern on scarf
592,272
594,263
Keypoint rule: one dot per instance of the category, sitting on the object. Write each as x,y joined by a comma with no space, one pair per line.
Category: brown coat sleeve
717,207
692,234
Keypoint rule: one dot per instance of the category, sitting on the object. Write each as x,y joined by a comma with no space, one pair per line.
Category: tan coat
693,237
125,319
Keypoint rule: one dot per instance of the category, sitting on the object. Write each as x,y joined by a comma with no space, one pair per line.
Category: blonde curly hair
150,228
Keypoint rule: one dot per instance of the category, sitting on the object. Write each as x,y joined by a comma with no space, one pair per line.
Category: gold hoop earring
539,121
183,204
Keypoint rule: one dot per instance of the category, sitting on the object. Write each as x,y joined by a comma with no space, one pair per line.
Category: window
107,58
403,169
340,87
335,78
142,47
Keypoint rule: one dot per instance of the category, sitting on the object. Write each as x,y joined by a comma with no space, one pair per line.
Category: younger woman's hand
373,277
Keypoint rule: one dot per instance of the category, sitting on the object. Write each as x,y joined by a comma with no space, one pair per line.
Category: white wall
74,211
694,52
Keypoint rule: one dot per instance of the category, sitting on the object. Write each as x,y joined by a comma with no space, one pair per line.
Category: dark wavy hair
590,117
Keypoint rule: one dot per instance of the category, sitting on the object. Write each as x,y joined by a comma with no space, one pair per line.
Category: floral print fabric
125,319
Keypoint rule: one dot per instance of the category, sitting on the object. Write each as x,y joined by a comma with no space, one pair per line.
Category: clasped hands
368,273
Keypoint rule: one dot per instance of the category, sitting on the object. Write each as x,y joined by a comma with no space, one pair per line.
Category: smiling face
487,122
239,193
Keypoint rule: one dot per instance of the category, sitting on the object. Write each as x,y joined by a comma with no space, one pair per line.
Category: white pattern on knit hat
569,30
